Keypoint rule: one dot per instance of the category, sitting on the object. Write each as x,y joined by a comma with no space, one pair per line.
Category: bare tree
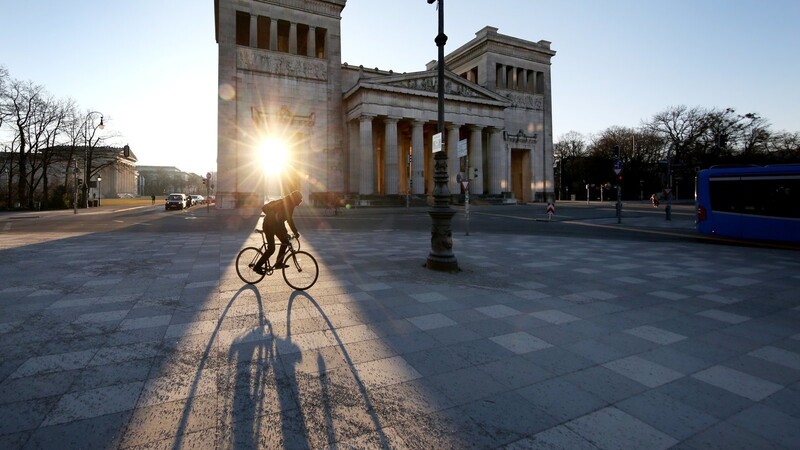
570,145
25,100
679,126
4,110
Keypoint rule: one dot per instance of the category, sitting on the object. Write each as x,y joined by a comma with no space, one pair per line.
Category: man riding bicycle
276,214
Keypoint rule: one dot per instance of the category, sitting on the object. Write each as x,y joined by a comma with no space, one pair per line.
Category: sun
274,156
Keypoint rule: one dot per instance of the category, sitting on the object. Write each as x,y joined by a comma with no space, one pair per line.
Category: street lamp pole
75,172
87,159
668,209
441,256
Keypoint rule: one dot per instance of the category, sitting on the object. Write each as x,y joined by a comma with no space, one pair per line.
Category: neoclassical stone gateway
368,132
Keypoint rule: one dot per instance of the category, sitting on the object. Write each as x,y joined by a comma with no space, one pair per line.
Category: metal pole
441,256
75,173
466,196
668,209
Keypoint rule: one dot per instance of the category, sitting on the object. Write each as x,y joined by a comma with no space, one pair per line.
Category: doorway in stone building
521,174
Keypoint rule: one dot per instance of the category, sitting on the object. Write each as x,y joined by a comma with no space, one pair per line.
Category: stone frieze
430,84
281,64
521,100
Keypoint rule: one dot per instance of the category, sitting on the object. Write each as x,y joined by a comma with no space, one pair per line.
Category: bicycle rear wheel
300,271
245,261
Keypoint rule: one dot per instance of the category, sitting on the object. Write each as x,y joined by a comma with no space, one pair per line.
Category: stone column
292,38
253,30
417,157
367,165
311,47
453,165
502,79
273,34
391,158
475,159
353,156
498,172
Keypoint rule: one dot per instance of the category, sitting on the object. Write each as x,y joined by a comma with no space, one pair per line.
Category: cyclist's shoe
260,270
279,266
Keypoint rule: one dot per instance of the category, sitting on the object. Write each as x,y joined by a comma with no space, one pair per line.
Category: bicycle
300,269
332,209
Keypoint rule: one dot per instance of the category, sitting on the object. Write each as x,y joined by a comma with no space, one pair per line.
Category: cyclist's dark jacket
279,211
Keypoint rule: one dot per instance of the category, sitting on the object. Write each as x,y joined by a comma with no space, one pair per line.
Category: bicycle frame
292,247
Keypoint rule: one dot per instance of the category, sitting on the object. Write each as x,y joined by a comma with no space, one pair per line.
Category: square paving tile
94,403
643,371
428,297
723,316
385,372
498,311
655,334
737,382
778,356
554,316
521,342
667,414
611,428
561,399
432,321
770,424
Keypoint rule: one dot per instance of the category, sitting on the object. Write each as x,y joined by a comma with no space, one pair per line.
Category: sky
150,66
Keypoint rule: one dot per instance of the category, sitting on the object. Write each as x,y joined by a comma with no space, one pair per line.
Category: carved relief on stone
281,64
284,116
430,84
417,84
458,89
527,101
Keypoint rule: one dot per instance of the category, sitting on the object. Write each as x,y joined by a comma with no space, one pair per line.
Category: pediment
427,82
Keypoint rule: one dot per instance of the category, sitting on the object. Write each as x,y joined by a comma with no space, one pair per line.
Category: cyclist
276,214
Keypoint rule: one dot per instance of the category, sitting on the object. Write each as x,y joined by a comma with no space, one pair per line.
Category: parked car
198,199
175,201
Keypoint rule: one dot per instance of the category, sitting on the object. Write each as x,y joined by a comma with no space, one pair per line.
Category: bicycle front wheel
300,271
245,263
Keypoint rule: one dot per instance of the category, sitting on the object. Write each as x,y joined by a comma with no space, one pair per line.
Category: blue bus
750,202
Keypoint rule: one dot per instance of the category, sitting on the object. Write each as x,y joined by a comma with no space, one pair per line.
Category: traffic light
616,151
475,173
126,151
204,180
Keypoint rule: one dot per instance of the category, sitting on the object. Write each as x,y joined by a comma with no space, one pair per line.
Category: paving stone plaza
145,340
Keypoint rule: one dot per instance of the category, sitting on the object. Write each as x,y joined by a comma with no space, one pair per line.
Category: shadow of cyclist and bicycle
265,400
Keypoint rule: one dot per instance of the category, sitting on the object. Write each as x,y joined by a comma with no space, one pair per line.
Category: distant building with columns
367,133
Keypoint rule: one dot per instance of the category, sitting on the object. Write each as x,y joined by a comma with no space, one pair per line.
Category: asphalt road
574,219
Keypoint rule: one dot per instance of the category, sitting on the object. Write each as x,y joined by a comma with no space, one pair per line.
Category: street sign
437,143
461,150
465,185
617,167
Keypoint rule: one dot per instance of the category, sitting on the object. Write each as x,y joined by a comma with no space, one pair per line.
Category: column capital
473,127
390,119
452,126
418,122
366,117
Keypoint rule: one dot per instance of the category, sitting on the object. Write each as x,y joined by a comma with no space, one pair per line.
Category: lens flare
227,92
274,156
